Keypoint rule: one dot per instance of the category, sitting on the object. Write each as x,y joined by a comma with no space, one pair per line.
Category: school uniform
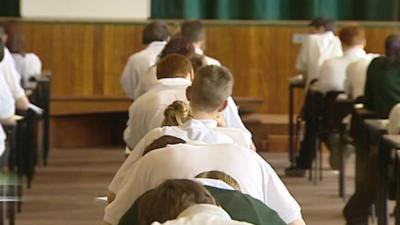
184,161
333,71
147,112
193,130
208,60
28,65
315,50
7,108
356,74
239,206
134,76
203,214
11,75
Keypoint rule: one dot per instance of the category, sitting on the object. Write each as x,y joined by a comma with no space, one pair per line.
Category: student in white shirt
28,65
174,74
11,75
394,120
182,202
208,95
195,32
155,35
7,104
333,71
320,45
183,161
356,75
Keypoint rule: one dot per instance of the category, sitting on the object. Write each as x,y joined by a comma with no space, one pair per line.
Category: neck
200,115
349,48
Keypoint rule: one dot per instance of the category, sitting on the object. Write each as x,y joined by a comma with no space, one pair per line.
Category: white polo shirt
185,161
7,107
356,74
208,60
11,75
315,50
203,214
136,69
333,71
193,130
147,112
28,65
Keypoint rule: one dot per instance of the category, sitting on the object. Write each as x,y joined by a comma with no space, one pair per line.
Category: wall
85,9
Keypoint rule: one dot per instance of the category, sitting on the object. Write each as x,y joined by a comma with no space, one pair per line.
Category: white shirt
394,120
7,108
203,214
193,130
11,75
356,74
333,71
147,112
28,65
136,69
208,60
185,161
315,50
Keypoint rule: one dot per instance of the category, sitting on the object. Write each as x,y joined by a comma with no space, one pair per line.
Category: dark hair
173,65
155,31
1,51
198,61
219,175
211,86
392,48
162,142
16,37
193,30
170,198
327,23
352,35
178,45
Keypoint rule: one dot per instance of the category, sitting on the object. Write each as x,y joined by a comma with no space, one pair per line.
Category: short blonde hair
211,86
176,114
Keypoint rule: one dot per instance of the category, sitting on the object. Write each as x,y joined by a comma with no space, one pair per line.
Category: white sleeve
301,62
129,79
135,155
232,118
134,130
34,65
7,103
394,120
13,80
276,195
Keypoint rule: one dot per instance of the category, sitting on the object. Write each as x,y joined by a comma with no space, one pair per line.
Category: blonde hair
176,114
219,175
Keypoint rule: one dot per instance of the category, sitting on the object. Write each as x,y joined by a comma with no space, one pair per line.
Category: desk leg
397,213
383,215
292,153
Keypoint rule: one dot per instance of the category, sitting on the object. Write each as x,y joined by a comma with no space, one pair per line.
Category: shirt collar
214,183
204,209
157,44
358,52
200,123
174,81
198,50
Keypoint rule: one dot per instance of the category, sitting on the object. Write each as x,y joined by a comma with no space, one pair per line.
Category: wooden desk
293,84
248,105
390,143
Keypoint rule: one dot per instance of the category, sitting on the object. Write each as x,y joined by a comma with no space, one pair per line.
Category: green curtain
9,8
276,9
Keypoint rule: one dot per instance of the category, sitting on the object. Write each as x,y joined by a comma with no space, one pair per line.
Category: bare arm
110,196
22,103
298,222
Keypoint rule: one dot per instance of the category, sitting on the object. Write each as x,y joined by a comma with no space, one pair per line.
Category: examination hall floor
64,191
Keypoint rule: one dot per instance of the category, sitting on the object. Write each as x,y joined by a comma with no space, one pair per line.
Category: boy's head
193,30
210,89
174,66
178,45
170,198
322,24
351,36
155,31
392,47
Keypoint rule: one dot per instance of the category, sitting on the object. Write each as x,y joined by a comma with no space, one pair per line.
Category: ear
189,93
223,106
